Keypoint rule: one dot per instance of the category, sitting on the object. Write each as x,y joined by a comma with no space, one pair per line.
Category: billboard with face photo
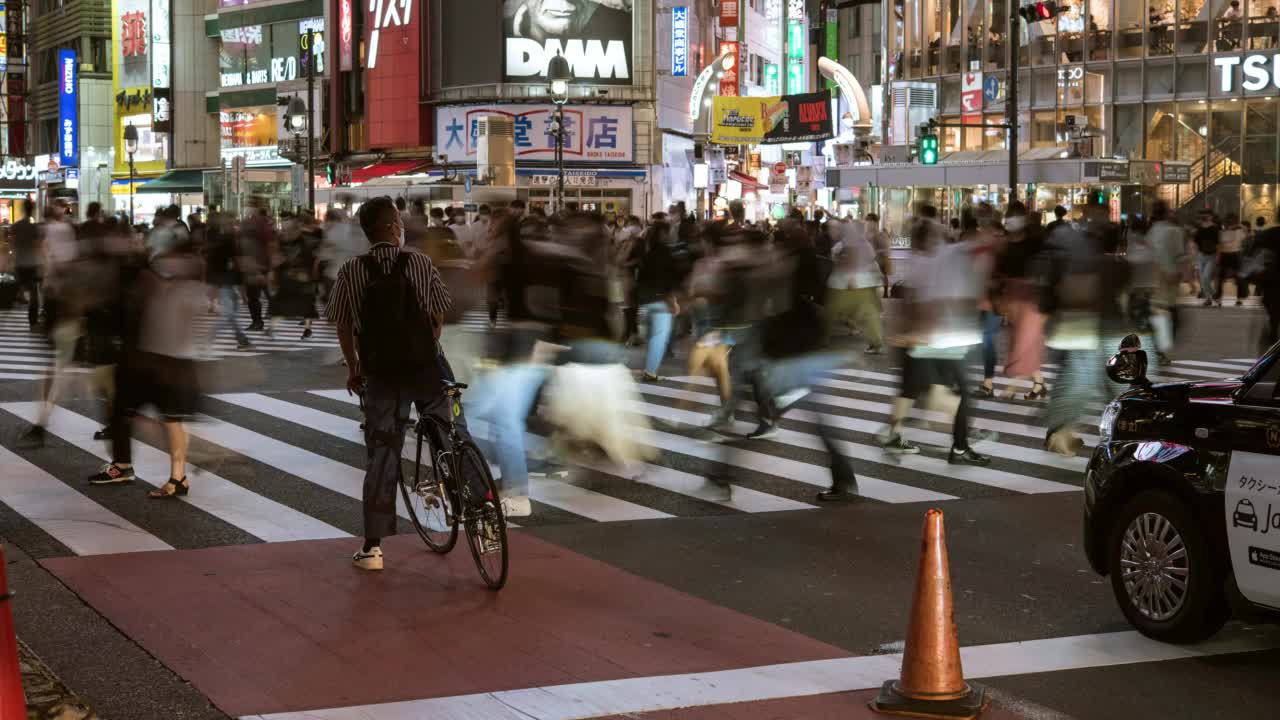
593,35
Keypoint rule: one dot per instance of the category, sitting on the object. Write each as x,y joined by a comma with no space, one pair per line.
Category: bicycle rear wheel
486,527
429,498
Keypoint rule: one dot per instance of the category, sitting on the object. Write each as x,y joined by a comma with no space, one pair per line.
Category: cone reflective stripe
13,706
931,683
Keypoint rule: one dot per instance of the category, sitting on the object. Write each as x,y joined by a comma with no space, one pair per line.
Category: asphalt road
839,577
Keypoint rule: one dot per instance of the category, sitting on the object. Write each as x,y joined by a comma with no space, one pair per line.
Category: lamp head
296,114
559,75
130,139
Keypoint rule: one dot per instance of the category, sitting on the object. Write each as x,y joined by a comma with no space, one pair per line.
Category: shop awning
176,181
364,174
749,183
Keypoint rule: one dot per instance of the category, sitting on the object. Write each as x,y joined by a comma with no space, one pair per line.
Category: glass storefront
1133,79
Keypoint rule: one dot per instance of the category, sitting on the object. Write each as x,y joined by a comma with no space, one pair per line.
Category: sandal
984,391
1038,392
171,489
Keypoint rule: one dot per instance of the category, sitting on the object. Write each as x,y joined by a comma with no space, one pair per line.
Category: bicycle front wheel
429,498
486,527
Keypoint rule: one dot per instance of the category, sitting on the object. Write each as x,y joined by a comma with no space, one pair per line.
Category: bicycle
439,502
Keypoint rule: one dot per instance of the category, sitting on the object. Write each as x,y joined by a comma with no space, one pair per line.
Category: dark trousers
29,279
990,329
253,293
121,423
386,412
1229,267
952,374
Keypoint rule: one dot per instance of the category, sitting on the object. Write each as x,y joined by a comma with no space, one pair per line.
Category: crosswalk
285,466
27,355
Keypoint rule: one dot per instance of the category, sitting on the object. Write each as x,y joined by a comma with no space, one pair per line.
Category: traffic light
331,172
1040,11
929,150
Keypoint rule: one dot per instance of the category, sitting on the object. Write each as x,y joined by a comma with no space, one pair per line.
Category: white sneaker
371,560
516,506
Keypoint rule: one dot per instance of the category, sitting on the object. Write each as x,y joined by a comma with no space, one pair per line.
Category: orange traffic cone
932,681
13,705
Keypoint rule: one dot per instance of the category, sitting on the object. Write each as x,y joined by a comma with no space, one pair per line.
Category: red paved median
293,626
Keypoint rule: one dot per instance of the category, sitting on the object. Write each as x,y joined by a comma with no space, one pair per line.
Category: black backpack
396,339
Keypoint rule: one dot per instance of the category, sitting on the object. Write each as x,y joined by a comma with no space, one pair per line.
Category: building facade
1177,96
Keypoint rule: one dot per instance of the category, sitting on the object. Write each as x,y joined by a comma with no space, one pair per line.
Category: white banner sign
593,133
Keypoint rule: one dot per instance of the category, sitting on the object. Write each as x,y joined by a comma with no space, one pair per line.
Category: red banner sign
729,80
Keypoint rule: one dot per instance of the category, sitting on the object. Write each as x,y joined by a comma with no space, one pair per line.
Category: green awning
176,181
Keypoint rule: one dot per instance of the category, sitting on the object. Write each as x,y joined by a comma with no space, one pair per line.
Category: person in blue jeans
658,277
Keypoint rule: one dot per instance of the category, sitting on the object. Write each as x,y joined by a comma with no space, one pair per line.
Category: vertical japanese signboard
345,35
832,40
729,78
161,59
679,41
68,110
728,13
971,98
795,56
4,39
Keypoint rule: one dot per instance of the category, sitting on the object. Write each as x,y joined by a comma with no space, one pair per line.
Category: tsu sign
1258,72
68,110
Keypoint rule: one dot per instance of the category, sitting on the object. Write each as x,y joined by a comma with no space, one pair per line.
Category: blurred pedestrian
296,277
657,279
1230,250
853,287
27,253
1206,238
259,245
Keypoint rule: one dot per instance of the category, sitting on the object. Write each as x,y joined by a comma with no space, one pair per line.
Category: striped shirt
353,278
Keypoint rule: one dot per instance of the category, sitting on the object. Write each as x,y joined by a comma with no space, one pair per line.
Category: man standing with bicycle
389,306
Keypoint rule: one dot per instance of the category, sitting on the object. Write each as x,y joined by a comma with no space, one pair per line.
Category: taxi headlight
1107,422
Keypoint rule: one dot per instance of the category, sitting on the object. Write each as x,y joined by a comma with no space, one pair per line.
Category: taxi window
1266,366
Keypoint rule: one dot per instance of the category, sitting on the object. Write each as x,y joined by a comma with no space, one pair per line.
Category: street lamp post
297,115
130,147
559,75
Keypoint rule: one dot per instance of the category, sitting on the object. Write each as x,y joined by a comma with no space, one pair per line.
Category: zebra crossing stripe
71,518
235,505
929,437
867,453
1232,365
316,469
675,481
760,462
1001,426
579,501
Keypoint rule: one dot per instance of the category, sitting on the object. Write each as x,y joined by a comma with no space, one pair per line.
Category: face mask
1015,224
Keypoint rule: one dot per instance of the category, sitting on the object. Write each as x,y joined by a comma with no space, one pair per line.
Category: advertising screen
593,35
771,120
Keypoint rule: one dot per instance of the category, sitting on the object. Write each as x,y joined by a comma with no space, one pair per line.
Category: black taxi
1182,498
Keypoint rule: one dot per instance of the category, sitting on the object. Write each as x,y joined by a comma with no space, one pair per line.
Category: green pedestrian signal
929,149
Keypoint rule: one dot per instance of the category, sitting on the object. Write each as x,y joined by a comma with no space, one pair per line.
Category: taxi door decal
1252,504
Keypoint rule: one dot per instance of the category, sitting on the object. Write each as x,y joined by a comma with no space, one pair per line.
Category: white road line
1003,450
32,359
1001,426
637,695
571,498
259,516
887,391
71,518
23,376
1232,365
868,453
316,469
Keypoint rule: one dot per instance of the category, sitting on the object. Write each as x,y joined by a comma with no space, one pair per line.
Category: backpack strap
371,265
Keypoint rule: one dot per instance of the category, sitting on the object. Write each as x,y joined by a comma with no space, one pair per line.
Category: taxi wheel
1162,572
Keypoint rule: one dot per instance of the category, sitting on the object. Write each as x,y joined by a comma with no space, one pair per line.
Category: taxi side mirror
1129,366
